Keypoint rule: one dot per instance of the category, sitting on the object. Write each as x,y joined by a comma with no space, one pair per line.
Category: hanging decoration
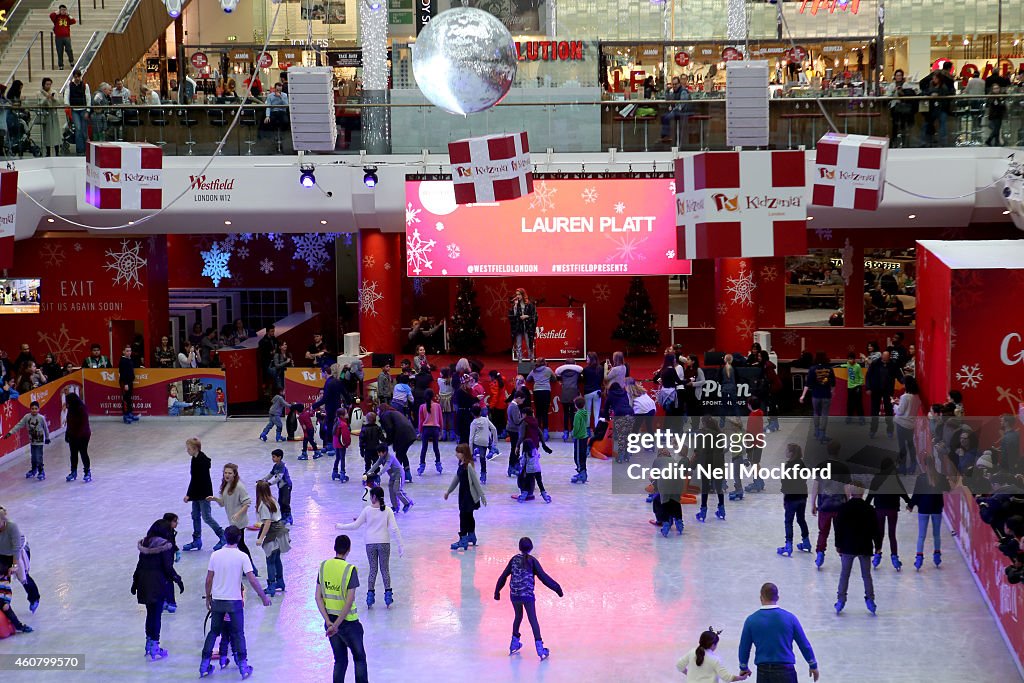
124,175
850,171
491,168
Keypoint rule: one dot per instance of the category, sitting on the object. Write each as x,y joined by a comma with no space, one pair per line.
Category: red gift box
849,171
8,211
491,168
124,175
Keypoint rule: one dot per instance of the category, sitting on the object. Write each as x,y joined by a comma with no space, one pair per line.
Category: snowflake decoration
387,266
453,251
228,243
310,248
627,247
722,308
499,297
64,348
267,266
970,376
247,236
671,253
745,328
369,260
346,238
619,207
570,314
126,264
543,197
411,215
215,264
8,410
52,254
234,360
444,271
418,285
672,188
278,243
242,252
790,338
742,287
601,292
968,286
769,273
78,246
589,195
418,252
308,282
369,296
1014,400
824,234
439,226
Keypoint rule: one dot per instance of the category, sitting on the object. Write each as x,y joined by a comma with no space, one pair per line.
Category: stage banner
303,385
174,392
52,398
561,332
565,227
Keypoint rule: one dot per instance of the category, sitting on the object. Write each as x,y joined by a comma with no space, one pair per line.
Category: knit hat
985,461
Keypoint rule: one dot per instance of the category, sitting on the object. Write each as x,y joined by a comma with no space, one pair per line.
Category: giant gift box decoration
492,168
849,171
124,175
8,211
741,204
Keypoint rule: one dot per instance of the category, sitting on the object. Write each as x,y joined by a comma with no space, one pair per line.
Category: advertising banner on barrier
52,399
561,332
177,393
303,385
565,227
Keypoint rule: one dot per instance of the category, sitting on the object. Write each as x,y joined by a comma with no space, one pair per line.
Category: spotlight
306,177
370,176
173,8
228,6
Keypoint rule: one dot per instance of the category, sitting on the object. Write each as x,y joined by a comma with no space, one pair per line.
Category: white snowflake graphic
369,260
790,338
742,287
308,282
387,266
310,248
570,314
418,252
78,246
619,207
824,233
279,243
601,292
267,266
589,195
215,264
444,271
627,247
242,252
8,410
543,197
64,348
769,273
672,188
722,308
126,264
745,328
454,251
411,215
52,254
369,295
970,376
671,253
498,296
439,226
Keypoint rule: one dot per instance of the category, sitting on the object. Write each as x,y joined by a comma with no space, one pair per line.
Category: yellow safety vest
334,577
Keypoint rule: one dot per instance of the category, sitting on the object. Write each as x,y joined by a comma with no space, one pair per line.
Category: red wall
933,339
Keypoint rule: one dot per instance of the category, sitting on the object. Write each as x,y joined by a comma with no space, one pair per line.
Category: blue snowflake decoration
347,237
247,236
215,264
418,283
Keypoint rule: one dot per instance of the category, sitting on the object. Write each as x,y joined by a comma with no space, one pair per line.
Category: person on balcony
50,119
677,112
277,113
62,23
79,98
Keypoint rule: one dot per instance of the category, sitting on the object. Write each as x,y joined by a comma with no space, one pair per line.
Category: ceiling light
323,222
913,215
810,218
227,222
1006,213
370,176
50,220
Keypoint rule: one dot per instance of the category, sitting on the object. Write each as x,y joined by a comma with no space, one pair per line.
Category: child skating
530,465
581,450
387,460
380,527
522,570
5,599
38,436
342,439
482,437
279,475
794,501
276,416
702,665
308,434
370,437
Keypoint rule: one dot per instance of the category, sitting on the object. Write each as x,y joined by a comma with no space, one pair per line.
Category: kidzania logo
724,203
129,177
544,333
685,206
848,176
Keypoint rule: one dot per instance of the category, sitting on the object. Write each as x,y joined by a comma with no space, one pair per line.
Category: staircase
33,17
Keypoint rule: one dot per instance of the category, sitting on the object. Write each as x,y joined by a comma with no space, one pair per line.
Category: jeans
463,421
274,421
568,414
580,455
795,508
310,439
995,132
153,613
513,449
126,400
234,628
64,47
339,460
922,531
708,485
865,573
517,346
78,117
821,407
201,511
480,453
349,637
855,403
542,404
887,517
592,404
36,455
905,439
79,447
530,607
880,402
671,117
284,499
776,673
275,570
396,487
430,436
825,518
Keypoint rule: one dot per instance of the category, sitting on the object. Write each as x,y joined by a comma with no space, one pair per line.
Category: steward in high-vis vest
336,586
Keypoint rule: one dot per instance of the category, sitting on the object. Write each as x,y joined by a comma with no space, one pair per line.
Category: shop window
815,289
890,287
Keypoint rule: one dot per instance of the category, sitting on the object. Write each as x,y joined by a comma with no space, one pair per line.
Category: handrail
84,57
124,16
27,55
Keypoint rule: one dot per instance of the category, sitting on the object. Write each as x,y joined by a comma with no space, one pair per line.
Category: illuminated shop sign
833,6
550,50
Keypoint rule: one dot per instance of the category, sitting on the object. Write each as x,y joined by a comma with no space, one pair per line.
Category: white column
373,31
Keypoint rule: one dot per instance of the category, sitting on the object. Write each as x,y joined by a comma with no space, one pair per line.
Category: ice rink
634,601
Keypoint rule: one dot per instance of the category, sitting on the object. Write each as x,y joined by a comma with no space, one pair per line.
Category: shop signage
682,59
731,54
303,385
869,264
286,58
200,60
832,49
650,52
849,171
341,59
240,55
796,54
123,175
491,168
152,65
813,6
565,227
561,332
8,215
211,189
425,11
265,60
550,50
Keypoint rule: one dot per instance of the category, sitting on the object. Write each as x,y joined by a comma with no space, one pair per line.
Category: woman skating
471,496
153,579
522,569
380,526
794,501
273,538
430,421
713,459
928,500
77,435
886,491
235,500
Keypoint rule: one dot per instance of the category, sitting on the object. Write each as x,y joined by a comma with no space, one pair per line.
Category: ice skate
679,527
71,477
542,651
786,550
819,560
876,560
440,469
335,476
918,561
515,646
419,470
936,556
839,606
720,512
804,545
461,544
471,537
244,669
666,528
388,598
870,604
196,544
702,515
371,597
42,475
205,668
87,478
545,496
896,564
31,473
735,495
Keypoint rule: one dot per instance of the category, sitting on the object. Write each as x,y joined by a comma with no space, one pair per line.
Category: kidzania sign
564,227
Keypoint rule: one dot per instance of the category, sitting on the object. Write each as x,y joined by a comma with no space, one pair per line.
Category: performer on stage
522,318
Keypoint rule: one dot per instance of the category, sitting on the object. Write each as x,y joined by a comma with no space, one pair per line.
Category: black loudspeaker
524,367
714,358
379,360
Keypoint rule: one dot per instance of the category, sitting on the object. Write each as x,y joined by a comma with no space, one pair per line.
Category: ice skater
529,463
153,581
857,534
308,433
171,605
667,494
580,430
235,500
713,459
341,440
279,475
702,665
278,406
77,434
794,502
523,569
387,460
273,537
829,494
126,378
771,631
444,397
471,496
380,527
400,434
38,437
199,493
821,378
929,501
5,600
336,585
430,419
482,437
370,437
15,554
755,427
513,425
886,491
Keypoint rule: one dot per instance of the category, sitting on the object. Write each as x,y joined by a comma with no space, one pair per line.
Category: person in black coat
881,384
399,433
333,397
522,320
200,488
857,535
886,492
370,437
152,583
126,378
422,381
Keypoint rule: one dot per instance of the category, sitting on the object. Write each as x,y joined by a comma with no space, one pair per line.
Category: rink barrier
52,398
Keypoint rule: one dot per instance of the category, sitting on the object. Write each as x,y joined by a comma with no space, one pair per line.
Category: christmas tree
637,326
465,335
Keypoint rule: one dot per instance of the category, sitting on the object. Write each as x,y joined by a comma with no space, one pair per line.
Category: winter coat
50,124
399,430
857,529
154,574
370,437
520,326
200,486
617,402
